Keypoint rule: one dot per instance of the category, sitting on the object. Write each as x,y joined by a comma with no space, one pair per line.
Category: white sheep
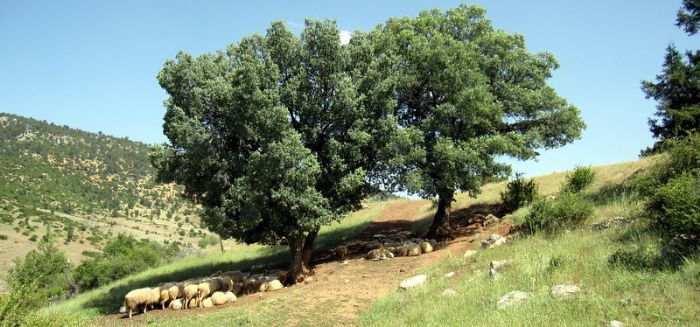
141,297
190,294
219,298
230,297
206,303
175,304
176,291
208,287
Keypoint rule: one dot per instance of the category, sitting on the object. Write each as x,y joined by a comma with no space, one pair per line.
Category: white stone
510,299
469,253
498,264
414,281
564,290
492,241
449,293
450,274
493,274
616,323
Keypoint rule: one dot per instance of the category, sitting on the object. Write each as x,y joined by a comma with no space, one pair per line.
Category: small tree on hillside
271,137
466,93
677,88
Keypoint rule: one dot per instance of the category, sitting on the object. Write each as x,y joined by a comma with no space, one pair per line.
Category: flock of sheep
218,289
388,246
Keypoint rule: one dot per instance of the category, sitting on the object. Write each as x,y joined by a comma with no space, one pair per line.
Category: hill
356,291
82,188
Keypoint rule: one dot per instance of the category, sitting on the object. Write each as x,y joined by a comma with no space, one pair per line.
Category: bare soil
342,288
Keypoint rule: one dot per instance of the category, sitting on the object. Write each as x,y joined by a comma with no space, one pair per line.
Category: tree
271,137
689,16
677,88
465,94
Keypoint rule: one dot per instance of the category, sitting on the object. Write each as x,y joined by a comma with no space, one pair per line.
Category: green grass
638,297
109,298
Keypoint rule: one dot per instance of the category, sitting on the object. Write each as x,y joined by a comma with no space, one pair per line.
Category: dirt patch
341,288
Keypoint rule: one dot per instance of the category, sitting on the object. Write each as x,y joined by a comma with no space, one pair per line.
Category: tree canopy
677,88
271,136
465,94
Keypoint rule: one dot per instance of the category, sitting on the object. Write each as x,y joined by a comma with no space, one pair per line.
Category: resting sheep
175,304
208,287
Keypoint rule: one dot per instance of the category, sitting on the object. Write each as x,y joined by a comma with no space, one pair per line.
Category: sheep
401,251
379,254
176,291
216,274
208,287
230,297
206,303
164,291
136,298
251,285
413,249
175,304
190,293
274,285
226,283
426,247
236,275
192,303
219,298
153,299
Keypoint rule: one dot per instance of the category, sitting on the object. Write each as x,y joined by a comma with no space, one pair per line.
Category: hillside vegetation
614,267
82,188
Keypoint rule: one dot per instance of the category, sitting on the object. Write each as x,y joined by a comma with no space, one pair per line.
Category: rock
274,285
449,293
425,247
490,220
493,274
122,309
616,323
344,262
308,280
564,290
450,274
497,265
414,281
510,299
492,241
469,253
346,281
605,224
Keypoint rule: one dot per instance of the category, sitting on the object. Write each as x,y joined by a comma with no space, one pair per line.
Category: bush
3,237
207,240
42,267
567,211
518,193
18,304
122,256
676,205
579,179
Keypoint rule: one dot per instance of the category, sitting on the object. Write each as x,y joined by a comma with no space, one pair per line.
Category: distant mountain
82,188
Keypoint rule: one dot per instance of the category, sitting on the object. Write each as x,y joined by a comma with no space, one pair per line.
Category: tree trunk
308,249
221,244
298,269
440,227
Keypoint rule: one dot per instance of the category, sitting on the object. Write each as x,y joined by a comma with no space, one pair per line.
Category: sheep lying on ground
141,297
175,304
208,287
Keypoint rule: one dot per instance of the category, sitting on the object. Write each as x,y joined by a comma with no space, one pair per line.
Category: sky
93,64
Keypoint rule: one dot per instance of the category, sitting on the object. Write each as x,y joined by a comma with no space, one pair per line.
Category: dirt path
341,289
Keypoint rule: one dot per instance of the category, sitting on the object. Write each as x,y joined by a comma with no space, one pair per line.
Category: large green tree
465,94
677,88
272,136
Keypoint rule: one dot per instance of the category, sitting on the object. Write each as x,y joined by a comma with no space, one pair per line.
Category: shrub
42,267
3,237
518,193
676,205
207,240
122,256
567,211
579,179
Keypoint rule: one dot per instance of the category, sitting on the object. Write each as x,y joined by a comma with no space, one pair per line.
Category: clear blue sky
93,64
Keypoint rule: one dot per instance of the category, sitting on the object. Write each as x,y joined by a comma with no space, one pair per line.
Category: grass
109,298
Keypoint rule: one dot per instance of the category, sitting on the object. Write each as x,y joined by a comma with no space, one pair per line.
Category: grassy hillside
611,267
83,188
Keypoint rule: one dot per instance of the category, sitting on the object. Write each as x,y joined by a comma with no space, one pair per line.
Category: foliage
121,257
568,210
677,88
464,94
20,302
208,240
270,136
518,193
689,16
579,179
42,267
